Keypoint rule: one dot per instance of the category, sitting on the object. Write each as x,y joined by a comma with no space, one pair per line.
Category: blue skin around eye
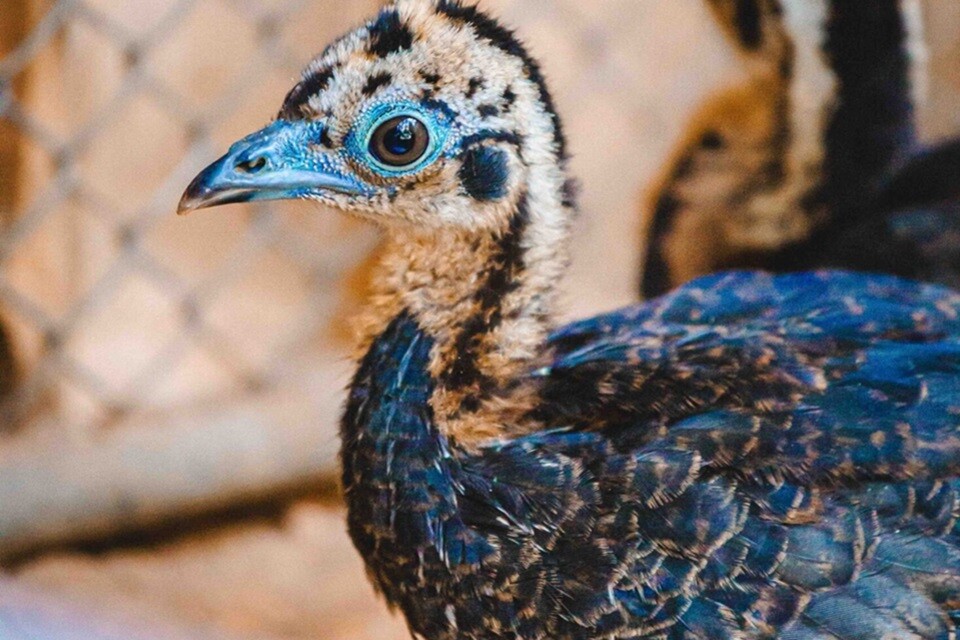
357,142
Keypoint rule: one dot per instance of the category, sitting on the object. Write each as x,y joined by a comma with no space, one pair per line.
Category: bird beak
281,161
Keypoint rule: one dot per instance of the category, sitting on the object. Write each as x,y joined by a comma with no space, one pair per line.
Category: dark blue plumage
814,496
748,457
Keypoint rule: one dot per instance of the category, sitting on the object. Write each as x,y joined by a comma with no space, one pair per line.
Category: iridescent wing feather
764,457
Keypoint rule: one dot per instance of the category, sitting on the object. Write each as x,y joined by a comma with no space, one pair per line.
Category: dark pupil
399,141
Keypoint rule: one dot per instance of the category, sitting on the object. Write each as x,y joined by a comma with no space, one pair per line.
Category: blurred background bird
815,160
748,456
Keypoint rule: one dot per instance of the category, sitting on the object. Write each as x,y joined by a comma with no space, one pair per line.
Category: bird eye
400,141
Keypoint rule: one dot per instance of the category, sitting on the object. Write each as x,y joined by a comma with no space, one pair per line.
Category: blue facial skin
286,160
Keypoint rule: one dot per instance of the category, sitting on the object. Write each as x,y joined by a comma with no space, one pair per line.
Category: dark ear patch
388,35
484,173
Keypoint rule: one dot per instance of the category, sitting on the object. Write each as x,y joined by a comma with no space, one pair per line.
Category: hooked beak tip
204,191
186,205
197,193
193,199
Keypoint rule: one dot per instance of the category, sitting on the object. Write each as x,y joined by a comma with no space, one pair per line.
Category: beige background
118,306
270,280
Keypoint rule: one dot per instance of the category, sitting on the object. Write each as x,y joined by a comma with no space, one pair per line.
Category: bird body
747,457
814,161
758,452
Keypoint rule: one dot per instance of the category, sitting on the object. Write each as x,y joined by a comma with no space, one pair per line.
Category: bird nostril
253,165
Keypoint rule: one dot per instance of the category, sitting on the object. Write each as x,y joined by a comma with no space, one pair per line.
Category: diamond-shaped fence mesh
107,108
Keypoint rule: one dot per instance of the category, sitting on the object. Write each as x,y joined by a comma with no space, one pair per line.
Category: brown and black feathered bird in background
748,457
814,162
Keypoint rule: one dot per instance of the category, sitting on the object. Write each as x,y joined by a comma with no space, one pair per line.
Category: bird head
431,114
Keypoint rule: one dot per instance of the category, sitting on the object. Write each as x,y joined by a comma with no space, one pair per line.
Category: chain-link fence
144,343
108,108
151,366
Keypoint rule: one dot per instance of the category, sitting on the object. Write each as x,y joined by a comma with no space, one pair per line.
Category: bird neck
485,299
805,144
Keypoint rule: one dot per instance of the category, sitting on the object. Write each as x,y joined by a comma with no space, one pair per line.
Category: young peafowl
814,161
750,456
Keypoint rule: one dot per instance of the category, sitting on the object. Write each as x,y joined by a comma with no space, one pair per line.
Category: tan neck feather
487,301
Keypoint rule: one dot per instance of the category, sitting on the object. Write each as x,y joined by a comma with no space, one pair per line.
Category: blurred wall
940,116
119,306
